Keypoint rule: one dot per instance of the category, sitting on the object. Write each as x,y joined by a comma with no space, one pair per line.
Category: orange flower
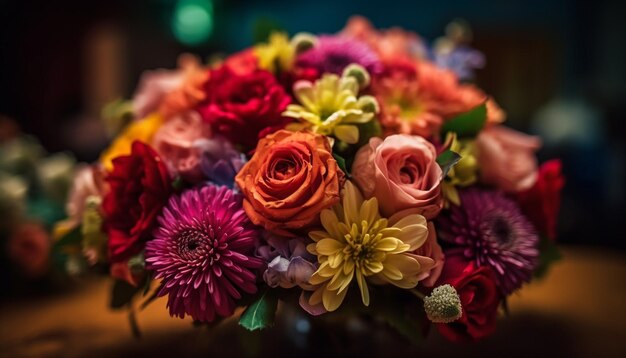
390,43
417,98
190,92
290,179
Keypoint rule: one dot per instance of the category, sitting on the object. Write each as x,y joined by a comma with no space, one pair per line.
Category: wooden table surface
578,310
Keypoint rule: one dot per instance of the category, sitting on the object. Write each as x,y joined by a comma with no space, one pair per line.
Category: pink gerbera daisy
202,251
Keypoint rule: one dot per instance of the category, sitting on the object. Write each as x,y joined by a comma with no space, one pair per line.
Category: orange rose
290,179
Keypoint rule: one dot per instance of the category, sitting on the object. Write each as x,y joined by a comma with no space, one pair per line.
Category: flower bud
359,73
443,305
369,104
303,41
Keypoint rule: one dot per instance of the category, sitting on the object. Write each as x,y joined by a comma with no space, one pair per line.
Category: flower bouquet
358,172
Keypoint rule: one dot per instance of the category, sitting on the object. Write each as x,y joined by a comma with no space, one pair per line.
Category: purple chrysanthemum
203,252
333,53
492,230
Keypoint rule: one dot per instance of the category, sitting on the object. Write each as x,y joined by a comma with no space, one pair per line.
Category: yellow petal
303,90
316,297
329,247
411,219
335,260
312,248
325,270
365,294
316,279
358,116
340,280
349,84
347,133
348,265
352,201
392,273
318,235
414,230
330,223
387,244
407,266
373,267
369,211
332,299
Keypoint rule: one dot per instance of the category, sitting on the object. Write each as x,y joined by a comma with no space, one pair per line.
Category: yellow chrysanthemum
358,244
331,106
277,54
142,130
464,173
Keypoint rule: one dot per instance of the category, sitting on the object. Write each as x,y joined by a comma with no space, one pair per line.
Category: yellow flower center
361,246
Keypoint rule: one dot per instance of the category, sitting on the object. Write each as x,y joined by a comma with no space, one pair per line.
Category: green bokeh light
192,22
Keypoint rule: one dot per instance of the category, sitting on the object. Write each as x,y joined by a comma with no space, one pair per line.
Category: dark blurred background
557,68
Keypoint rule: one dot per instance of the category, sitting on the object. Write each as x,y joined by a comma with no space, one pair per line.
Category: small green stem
417,294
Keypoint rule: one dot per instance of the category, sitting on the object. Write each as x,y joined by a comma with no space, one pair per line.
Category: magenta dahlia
203,252
333,53
492,231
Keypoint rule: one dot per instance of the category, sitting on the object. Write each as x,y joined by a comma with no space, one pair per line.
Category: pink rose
176,142
506,158
171,91
402,173
153,86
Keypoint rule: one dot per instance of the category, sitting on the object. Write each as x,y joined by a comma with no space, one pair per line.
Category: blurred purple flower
460,59
289,264
333,53
220,160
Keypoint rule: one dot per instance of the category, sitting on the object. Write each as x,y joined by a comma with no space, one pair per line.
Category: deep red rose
244,108
542,201
479,298
139,187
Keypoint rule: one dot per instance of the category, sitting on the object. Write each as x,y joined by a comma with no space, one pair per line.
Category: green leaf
341,163
122,294
260,314
467,124
548,254
447,160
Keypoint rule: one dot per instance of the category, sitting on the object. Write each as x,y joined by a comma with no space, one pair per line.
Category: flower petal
347,133
329,247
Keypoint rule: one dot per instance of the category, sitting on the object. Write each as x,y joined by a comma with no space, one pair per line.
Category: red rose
139,187
479,295
244,107
541,202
